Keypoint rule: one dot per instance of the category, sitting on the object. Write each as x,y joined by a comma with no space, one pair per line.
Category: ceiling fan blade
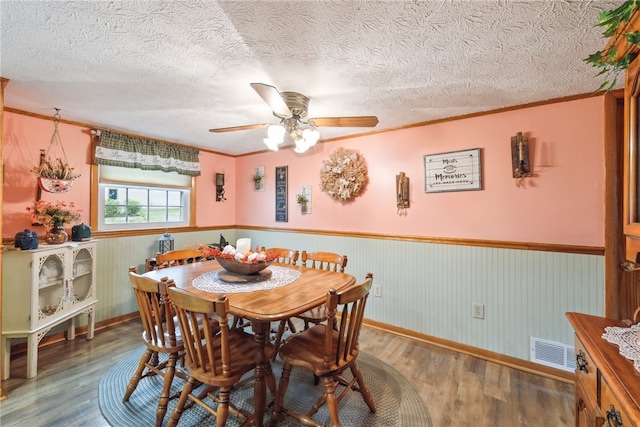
358,121
272,97
234,128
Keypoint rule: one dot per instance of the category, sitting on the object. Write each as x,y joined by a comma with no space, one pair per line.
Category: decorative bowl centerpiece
242,267
244,263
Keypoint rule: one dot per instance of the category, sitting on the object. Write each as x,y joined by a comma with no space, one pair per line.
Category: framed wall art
452,171
282,214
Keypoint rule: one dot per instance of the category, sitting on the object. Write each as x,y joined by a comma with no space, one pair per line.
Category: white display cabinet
43,288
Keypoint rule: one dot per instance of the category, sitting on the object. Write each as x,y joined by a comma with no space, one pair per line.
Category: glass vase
56,235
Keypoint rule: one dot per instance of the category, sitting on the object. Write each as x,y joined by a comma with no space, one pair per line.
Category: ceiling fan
292,108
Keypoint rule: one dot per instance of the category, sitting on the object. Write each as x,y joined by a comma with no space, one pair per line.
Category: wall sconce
520,156
220,187
402,193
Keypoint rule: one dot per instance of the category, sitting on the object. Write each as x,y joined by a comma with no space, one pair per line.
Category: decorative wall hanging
520,156
520,164
304,199
402,193
54,173
258,178
344,175
282,213
452,171
220,187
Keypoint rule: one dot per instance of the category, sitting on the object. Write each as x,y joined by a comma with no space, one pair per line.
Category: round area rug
397,403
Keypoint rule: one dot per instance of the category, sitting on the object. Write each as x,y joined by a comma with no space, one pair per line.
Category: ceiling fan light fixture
276,133
301,146
271,144
311,136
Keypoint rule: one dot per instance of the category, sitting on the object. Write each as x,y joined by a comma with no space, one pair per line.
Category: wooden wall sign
281,194
452,171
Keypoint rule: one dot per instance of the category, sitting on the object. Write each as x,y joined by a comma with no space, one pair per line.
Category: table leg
262,372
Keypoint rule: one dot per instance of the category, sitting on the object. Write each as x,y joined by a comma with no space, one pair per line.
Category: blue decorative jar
80,232
27,239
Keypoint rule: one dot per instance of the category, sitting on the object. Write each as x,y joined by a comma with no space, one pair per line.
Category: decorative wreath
344,175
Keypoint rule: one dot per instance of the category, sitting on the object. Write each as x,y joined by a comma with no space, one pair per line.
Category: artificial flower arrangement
54,169
229,252
54,214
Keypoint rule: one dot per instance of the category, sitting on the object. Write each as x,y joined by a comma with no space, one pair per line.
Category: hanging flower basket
55,185
54,174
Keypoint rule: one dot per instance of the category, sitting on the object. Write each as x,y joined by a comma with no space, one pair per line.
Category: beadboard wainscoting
429,288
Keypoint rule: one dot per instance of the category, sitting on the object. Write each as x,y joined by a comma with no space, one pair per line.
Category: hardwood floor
458,390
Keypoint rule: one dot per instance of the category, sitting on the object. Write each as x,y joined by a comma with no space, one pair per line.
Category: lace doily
627,340
218,281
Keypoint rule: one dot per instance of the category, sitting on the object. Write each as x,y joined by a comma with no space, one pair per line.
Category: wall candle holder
220,187
520,156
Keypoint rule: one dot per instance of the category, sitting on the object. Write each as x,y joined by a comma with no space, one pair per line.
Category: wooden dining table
262,307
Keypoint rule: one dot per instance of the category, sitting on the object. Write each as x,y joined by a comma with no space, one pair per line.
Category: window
134,198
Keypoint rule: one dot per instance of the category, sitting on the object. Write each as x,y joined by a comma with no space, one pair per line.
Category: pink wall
563,204
23,138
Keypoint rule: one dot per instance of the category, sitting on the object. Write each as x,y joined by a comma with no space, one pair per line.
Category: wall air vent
553,354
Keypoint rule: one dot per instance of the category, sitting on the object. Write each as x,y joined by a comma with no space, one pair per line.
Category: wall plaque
452,171
281,194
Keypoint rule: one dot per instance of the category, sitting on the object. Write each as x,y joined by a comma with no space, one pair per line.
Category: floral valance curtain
130,152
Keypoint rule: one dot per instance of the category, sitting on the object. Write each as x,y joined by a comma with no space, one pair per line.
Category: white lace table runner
627,340
214,281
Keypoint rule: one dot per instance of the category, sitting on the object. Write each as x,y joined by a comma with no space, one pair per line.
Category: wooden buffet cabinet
607,383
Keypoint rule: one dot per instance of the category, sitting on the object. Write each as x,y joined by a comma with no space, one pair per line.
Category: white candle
243,245
520,151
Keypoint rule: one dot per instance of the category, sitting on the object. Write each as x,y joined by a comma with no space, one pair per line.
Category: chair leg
282,390
364,390
137,375
163,401
278,339
177,411
331,400
292,327
222,413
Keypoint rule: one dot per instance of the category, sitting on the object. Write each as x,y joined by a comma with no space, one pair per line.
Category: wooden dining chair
327,350
323,261
159,335
217,360
284,256
178,257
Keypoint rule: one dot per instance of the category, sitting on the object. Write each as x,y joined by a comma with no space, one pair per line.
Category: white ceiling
174,69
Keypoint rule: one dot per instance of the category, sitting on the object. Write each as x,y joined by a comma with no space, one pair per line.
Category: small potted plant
302,200
257,179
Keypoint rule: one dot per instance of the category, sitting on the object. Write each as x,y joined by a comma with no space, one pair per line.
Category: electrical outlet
377,291
478,310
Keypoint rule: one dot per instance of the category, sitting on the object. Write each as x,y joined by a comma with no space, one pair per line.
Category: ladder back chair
284,256
160,336
327,350
178,257
216,359
323,261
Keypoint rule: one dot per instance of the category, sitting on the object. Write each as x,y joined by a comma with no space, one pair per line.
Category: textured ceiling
174,69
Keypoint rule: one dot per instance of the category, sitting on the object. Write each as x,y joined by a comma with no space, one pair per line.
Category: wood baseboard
512,362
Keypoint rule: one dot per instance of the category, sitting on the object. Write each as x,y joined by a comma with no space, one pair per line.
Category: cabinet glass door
51,286
82,275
